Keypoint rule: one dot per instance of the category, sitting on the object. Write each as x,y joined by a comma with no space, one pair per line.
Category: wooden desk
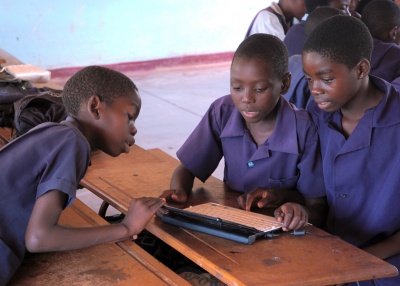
286,260
124,263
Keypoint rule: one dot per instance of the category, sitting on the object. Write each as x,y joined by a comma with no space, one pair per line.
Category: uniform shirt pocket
283,183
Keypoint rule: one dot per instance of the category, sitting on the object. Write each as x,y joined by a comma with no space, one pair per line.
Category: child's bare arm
181,184
44,234
385,248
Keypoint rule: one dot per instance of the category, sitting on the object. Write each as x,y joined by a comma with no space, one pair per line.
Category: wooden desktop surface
122,263
285,260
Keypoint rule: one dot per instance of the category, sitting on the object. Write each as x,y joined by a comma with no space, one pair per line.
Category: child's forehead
314,59
131,98
254,62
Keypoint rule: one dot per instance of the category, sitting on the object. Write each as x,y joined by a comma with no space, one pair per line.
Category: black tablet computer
222,221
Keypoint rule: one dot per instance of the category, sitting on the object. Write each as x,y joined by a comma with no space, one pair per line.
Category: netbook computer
222,221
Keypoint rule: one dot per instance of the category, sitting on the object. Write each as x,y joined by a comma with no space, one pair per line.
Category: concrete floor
173,102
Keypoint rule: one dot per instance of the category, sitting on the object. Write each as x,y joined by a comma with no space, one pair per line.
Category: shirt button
343,196
250,164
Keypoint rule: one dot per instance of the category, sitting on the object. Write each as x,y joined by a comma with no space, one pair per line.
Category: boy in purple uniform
358,122
382,17
42,169
299,93
270,148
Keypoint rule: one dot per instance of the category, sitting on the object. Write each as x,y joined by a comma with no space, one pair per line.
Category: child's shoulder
55,134
296,116
224,102
300,113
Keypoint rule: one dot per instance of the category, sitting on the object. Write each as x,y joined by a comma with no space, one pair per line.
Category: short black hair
380,16
267,48
311,5
342,39
106,83
319,15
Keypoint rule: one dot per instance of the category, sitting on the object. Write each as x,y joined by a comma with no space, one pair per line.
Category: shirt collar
277,9
389,105
380,115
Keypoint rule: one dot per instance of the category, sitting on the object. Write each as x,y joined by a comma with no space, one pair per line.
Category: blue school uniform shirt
289,158
299,92
362,173
385,62
51,156
295,39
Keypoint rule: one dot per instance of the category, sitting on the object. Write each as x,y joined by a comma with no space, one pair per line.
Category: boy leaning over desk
41,170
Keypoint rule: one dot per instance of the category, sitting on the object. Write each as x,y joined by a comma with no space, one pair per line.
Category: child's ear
286,79
94,106
363,68
393,34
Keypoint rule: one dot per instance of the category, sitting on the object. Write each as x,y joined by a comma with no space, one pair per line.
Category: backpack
10,92
32,110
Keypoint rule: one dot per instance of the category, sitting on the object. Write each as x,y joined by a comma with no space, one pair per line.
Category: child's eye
259,89
308,78
130,117
327,80
236,88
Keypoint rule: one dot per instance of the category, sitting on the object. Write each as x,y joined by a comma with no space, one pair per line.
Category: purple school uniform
295,39
51,156
385,62
362,173
288,159
299,92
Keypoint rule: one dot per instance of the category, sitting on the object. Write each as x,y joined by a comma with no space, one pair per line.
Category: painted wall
58,34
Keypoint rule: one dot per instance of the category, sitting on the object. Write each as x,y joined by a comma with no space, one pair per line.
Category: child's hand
139,214
178,196
293,216
262,198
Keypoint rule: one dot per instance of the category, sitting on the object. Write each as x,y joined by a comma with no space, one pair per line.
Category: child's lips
128,145
130,142
322,104
249,114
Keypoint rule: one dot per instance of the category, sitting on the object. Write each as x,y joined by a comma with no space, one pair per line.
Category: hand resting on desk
294,214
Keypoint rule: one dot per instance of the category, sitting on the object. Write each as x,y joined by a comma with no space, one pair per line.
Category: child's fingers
156,203
249,201
167,193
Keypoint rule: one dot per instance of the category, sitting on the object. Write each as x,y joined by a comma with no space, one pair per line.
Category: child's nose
248,96
133,130
315,88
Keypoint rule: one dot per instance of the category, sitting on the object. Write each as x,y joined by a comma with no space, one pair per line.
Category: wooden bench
122,263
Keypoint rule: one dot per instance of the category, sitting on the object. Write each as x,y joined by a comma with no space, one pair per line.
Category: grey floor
173,102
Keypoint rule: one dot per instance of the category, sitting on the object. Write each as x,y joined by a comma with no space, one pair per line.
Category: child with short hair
358,121
299,93
270,148
382,17
296,36
41,170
